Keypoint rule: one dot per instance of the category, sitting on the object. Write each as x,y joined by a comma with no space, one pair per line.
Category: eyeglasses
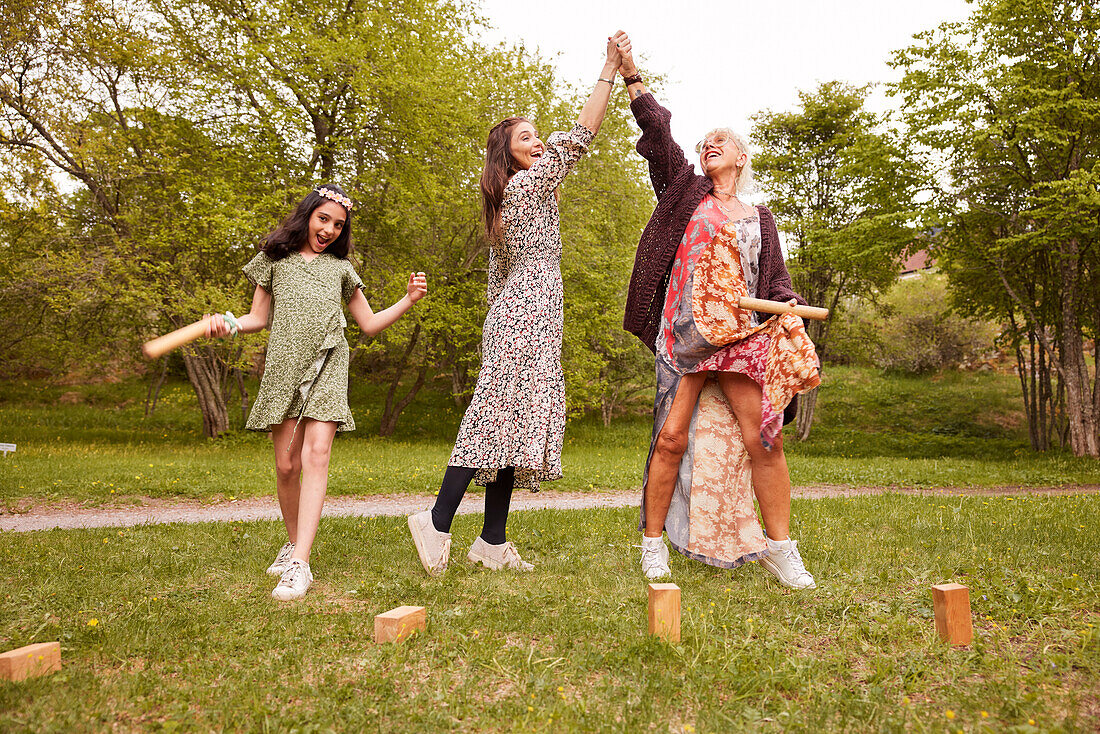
718,141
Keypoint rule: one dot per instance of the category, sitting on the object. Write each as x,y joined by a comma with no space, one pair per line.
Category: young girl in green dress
303,278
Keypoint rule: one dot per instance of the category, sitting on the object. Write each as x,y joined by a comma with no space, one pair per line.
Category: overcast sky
728,59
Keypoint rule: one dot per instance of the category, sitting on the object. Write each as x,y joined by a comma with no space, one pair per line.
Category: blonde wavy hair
746,184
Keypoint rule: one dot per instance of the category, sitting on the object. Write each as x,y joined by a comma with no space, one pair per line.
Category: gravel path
158,511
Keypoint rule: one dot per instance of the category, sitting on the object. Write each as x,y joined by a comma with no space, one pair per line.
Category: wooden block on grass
30,661
397,624
664,611
951,603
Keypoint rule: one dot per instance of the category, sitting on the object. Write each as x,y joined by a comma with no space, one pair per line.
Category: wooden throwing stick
764,306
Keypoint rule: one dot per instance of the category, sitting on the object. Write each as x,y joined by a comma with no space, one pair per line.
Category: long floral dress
711,518
517,415
306,369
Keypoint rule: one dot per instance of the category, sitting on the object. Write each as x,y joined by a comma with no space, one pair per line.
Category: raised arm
372,323
595,108
666,158
564,149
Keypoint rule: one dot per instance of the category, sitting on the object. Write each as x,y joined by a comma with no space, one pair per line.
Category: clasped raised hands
624,58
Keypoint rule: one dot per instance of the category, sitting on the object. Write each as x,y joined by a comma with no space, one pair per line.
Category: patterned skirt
712,517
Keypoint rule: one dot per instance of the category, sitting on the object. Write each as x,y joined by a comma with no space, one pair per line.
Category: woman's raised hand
418,286
614,58
626,64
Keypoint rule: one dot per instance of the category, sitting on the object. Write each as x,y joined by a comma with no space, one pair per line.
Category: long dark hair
500,164
293,231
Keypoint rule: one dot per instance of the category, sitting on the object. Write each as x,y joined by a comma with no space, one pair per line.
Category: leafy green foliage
842,191
1008,104
913,328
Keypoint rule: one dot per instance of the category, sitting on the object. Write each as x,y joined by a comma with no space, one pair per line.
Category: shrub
913,329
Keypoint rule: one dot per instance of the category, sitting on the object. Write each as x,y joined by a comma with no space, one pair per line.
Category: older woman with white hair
724,376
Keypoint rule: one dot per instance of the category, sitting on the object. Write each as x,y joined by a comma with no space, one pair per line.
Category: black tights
498,495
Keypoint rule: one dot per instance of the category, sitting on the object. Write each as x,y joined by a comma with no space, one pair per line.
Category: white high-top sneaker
784,562
654,558
433,547
496,557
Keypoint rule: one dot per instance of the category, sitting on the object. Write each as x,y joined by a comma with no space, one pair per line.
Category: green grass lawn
172,628
91,443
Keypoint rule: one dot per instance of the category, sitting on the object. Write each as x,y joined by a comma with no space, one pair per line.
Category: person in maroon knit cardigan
684,201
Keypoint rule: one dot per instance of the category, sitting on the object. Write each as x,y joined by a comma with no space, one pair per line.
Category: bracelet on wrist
609,81
232,323
635,78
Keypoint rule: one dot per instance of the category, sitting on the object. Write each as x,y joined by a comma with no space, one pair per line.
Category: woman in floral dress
724,375
511,435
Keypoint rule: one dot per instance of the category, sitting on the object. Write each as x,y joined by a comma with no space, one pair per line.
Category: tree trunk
460,378
807,402
239,373
1075,371
153,393
393,406
1025,371
206,377
1096,379
392,411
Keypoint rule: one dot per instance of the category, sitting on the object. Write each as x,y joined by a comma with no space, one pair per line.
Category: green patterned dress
306,371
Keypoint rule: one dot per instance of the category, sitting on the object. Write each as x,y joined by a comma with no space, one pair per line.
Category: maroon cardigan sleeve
666,158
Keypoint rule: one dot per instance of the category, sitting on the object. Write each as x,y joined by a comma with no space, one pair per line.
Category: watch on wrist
634,78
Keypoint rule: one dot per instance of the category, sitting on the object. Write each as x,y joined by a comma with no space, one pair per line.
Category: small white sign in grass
7,447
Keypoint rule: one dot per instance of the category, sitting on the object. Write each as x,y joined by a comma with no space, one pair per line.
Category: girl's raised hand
418,286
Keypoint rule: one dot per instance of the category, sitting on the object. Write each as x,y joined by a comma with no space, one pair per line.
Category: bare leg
770,478
288,473
667,451
316,450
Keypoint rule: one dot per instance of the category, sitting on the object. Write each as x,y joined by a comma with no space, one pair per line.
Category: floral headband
335,196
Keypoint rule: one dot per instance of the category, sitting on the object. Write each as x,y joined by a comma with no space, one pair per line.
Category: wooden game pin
30,661
397,624
664,611
951,603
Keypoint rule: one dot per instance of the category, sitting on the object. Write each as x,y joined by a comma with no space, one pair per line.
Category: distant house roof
916,262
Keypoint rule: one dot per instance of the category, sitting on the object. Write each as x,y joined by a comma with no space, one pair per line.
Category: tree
157,226
29,227
842,191
1009,102
191,126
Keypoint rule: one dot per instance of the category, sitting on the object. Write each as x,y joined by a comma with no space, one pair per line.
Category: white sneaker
280,563
784,562
496,557
654,558
294,582
433,547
